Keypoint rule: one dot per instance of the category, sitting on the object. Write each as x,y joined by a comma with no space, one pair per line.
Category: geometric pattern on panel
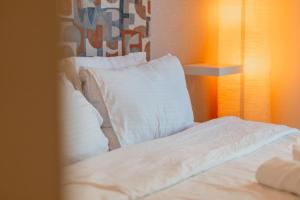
105,27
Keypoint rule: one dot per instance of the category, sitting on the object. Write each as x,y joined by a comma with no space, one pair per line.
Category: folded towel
296,152
280,174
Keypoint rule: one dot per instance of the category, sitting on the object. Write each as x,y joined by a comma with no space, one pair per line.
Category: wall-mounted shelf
212,70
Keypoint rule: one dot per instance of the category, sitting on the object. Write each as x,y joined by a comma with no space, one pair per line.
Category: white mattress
193,164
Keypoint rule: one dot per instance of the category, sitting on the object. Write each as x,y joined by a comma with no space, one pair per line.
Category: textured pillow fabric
146,102
81,122
92,92
70,66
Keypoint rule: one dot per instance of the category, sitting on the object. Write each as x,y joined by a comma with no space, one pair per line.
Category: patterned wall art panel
104,27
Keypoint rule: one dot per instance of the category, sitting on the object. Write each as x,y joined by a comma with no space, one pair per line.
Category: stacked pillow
139,102
82,136
91,90
70,66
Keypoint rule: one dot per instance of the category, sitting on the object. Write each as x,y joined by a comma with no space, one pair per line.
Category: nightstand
215,90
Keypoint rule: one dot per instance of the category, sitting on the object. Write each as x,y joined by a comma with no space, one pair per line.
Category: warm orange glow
257,63
229,52
230,27
242,36
262,35
285,62
230,13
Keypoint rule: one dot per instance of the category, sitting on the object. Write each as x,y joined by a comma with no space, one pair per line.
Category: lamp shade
243,38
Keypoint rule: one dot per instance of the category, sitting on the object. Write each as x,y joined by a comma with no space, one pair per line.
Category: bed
212,160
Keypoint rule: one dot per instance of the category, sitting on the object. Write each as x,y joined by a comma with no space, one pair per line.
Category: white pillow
81,126
146,102
70,66
111,62
92,92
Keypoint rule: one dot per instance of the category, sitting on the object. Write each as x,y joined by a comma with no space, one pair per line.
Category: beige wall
177,28
286,63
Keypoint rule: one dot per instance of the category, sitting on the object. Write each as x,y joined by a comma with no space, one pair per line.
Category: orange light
257,63
229,52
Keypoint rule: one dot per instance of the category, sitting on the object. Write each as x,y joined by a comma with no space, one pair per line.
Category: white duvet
151,168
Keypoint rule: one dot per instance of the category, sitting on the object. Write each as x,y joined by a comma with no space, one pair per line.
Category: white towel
280,174
296,152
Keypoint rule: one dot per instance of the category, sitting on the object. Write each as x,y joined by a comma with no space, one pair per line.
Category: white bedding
233,180
183,166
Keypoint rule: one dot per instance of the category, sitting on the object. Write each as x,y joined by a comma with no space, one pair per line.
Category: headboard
104,27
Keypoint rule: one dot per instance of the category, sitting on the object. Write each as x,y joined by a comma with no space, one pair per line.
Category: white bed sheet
182,166
233,180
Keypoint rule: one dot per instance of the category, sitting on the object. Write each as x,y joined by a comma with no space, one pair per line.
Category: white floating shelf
212,70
